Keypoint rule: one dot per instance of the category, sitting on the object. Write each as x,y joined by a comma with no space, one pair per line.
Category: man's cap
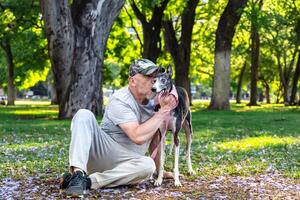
143,66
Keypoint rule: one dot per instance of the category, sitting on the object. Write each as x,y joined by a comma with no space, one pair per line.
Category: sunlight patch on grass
34,112
26,146
257,143
31,102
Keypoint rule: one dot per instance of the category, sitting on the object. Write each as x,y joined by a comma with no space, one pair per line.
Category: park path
267,186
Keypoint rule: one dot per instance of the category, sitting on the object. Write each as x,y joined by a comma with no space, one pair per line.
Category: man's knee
83,115
147,166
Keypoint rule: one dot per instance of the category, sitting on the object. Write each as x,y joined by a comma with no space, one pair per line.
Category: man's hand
167,101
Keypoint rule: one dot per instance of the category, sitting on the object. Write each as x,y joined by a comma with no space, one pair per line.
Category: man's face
144,85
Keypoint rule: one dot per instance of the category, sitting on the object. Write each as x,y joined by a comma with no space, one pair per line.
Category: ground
267,186
244,153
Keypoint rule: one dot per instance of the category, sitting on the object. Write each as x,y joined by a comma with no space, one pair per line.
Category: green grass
243,141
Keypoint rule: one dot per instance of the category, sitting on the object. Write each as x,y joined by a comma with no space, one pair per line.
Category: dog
179,117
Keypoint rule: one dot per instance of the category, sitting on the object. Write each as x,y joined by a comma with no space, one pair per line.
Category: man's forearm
146,130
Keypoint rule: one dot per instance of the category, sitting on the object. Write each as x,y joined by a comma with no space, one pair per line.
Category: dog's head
163,81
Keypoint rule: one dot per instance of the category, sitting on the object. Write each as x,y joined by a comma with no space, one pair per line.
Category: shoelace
78,179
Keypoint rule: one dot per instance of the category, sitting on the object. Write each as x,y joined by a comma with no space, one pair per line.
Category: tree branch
170,37
158,12
138,13
132,25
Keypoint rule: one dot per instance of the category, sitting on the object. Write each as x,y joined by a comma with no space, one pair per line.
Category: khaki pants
108,163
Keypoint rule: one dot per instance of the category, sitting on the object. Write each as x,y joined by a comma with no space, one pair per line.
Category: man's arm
140,133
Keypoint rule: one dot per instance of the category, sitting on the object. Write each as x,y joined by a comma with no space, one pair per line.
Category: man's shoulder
123,95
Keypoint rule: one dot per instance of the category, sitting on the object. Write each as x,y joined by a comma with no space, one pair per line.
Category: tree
151,28
224,34
77,36
255,45
181,50
240,82
21,42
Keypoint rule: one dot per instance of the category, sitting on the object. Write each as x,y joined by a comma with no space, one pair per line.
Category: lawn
244,145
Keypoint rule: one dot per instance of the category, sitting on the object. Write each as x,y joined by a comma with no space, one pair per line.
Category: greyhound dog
180,117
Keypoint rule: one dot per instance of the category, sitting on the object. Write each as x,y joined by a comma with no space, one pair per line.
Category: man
114,153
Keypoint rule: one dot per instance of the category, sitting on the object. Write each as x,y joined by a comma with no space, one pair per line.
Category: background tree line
230,47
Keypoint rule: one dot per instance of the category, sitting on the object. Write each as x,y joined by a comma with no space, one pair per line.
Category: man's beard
151,95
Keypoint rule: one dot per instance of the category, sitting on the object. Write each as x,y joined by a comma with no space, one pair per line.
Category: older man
114,153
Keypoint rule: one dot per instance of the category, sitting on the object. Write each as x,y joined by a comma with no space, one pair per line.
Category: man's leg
110,163
132,171
83,127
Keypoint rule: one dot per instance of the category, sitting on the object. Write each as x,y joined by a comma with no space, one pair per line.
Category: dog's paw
158,182
177,183
191,172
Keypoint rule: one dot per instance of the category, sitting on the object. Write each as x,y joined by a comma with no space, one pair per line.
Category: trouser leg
83,127
132,171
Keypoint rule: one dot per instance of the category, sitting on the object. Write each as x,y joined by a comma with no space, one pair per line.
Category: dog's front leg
176,163
159,179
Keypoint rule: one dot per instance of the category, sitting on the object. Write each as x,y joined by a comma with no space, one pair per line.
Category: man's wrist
163,112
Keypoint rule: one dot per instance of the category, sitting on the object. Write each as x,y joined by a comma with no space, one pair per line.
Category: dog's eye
163,80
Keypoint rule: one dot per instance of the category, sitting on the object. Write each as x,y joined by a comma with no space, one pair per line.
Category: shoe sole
74,192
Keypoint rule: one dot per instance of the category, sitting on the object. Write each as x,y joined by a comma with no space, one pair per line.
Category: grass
243,141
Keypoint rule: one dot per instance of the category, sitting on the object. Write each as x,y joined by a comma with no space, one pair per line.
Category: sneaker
65,180
77,184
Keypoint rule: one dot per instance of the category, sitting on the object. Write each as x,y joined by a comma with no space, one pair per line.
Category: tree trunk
255,46
151,30
293,100
267,93
240,81
54,100
285,75
254,66
77,40
224,34
180,51
10,72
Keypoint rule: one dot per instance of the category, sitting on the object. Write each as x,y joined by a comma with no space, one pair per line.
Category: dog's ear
169,71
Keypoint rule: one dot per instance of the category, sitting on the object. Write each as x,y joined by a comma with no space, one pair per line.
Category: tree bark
10,72
52,88
267,88
240,81
293,100
285,76
224,34
267,93
77,39
255,46
181,50
151,30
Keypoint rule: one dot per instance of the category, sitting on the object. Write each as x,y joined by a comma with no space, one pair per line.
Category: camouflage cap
143,66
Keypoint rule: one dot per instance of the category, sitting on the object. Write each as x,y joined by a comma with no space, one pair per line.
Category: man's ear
169,71
131,81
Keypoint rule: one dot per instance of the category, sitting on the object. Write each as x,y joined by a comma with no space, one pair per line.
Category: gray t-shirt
122,108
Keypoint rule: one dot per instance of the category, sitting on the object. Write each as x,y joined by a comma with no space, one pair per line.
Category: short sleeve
120,112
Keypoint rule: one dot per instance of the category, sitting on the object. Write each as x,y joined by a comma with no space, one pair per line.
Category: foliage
20,24
121,50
